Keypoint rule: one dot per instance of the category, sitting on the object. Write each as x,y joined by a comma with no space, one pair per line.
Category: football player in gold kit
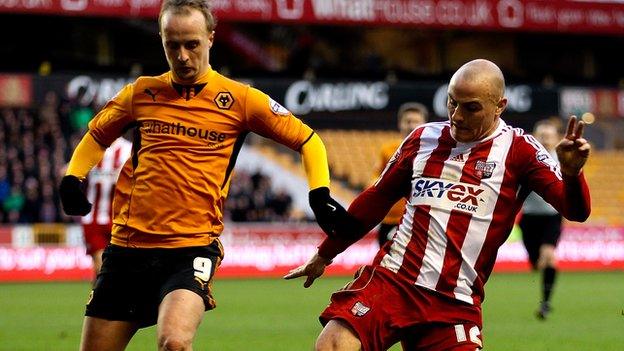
410,116
189,125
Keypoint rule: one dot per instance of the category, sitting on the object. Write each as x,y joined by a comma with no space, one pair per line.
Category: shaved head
476,99
484,73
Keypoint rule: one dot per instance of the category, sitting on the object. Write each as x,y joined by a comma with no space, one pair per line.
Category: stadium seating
353,154
344,194
604,172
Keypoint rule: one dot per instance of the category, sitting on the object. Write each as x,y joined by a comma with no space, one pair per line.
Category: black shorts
133,281
538,230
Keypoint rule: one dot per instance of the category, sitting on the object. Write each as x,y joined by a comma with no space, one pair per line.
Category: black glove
328,212
72,195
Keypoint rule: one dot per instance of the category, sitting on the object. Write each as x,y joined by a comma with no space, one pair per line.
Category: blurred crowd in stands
252,199
36,144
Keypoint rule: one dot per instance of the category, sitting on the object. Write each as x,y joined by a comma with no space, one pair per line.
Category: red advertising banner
527,15
110,8
581,247
272,250
15,90
605,103
44,264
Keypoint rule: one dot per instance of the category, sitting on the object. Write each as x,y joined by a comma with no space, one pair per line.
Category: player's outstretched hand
312,269
73,199
573,149
328,212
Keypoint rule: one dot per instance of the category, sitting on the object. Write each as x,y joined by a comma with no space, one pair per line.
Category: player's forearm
87,154
366,211
576,199
570,197
314,159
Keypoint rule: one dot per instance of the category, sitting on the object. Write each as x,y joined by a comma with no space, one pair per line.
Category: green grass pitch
273,314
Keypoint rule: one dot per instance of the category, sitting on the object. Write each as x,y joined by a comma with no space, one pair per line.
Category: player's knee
547,259
173,343
337,339
327,343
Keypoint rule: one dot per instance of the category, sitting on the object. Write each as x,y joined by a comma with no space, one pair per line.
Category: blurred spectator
5,185
251,199
80,112
281,203
32,206
13,204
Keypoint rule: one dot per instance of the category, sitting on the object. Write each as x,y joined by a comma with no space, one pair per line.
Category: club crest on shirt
359,309
277,108
224,100
484,169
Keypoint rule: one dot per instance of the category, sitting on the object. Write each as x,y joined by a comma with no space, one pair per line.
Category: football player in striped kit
425,289
97,224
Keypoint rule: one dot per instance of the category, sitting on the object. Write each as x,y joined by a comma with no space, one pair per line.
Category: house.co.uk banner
523,15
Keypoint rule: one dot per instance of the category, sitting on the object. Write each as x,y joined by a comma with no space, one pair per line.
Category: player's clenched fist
72,196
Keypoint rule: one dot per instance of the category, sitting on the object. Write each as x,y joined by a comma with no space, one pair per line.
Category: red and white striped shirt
101,182
462,202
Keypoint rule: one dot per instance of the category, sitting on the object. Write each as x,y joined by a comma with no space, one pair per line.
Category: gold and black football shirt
171,192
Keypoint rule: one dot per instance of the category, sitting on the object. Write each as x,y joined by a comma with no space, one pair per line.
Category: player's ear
211,37
501,106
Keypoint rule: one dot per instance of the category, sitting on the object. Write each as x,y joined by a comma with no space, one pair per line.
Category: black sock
548,281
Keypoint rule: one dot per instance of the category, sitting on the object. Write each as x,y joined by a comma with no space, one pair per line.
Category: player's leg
104,335
547,256
111,311
531,238
179,316
533,232
547,265
97,261
96,239
359,315
547,262
186,294
337,336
